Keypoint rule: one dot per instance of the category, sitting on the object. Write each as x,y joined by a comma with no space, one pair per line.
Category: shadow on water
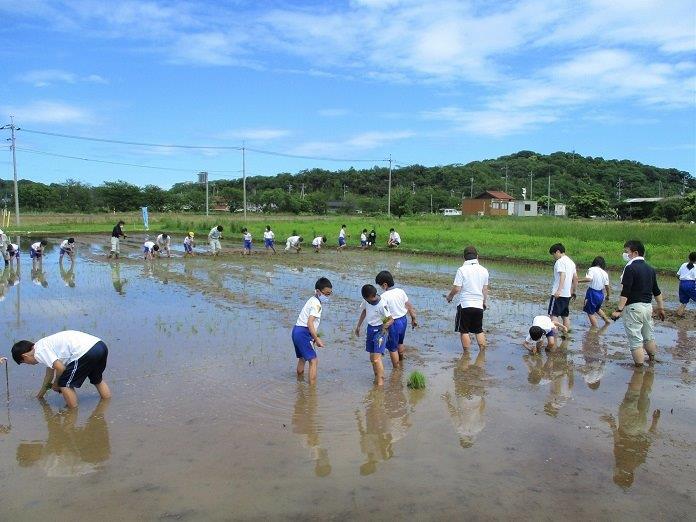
468,407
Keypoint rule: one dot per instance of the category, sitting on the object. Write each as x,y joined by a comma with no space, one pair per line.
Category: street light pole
389,190
12,128
472,188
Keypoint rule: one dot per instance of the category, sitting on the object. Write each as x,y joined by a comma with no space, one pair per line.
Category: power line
43,153
318,158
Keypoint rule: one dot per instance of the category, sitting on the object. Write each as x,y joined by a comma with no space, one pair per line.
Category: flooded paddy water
209,422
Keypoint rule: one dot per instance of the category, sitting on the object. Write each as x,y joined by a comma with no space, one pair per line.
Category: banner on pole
146,219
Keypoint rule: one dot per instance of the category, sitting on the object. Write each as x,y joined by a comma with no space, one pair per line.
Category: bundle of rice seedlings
416,380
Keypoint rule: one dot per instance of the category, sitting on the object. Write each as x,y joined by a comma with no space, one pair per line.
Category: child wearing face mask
375,310
305,334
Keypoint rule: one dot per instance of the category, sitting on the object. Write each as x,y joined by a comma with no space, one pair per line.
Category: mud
208,420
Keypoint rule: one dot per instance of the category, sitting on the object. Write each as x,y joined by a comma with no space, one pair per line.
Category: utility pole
389,190
548,195
413,187
472,188
531,184
506,178
203,178
302,194
619,184
289,188
659,189
431,202
244,179
344,191
12,128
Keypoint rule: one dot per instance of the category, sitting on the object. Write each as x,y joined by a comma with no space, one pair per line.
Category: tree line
586,184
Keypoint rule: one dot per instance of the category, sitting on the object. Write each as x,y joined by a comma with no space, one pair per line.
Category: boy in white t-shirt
269,239
363,239
542,325
687,284
70,357
36,251
317,242
379,319
565,283
597,292
246,238
399,306
150,250
342,238
305,333
394,239
164,242
67,246
294,242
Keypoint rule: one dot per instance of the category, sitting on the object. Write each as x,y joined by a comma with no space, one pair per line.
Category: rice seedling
416,380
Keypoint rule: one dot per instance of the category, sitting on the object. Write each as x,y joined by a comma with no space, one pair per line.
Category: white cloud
48,112
361,142
259,134
46,77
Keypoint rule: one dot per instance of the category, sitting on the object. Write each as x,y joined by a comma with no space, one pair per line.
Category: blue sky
428,82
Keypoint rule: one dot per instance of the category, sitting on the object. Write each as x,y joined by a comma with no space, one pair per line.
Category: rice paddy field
208,420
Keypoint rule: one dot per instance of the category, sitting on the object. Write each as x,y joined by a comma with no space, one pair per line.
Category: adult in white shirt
70,357
565,282
394,239
471,283
4,241
214,237
164,242
687,284
294,242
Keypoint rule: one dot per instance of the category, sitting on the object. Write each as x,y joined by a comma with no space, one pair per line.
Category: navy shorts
593,301
268,243
341,241
63,252
188,248
247,244
302,340
91,364
363,243
468,320
559,306
375,340
34,254
687,291
397,333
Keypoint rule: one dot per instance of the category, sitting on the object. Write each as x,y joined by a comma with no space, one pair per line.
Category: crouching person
70,357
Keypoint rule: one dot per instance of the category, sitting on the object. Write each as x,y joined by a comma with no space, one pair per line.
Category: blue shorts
593,301
268,243
188,248
63,252
397,333
34,254
341,241
550,333
247,244
91,364
302,340
147,251
363,243
687,291
375,340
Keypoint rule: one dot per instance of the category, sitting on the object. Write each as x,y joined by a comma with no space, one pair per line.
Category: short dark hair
692,257
268,227
535,332
220,228
20,348
322,283
244,229
164,234
557,247
44,242
470,253
635,245
391,230
343,226
368,291
156,247
385,277
600,262
71,240
121,222
364,230
323,239
300,239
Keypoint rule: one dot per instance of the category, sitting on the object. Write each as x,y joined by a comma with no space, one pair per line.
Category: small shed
559,210
488,203
526,207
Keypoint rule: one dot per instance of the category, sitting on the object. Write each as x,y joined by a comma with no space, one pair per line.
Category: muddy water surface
208,420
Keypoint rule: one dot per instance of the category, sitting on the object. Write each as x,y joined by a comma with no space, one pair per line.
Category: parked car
451,212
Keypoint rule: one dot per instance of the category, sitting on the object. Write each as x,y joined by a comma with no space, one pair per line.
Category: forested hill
426,187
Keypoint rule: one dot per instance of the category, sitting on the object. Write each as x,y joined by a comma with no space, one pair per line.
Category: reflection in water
594,355
559,371
467,409
4,282
38,277
68,275
685,350
374,428
116,277
304,422
69,450
631,438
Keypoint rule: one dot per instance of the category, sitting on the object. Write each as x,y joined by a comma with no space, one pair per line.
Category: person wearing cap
471,283
189,244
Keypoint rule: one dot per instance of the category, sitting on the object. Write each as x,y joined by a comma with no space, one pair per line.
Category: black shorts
469,320
91,364
559,306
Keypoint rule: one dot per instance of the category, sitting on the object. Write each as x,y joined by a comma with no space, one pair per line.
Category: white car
451,212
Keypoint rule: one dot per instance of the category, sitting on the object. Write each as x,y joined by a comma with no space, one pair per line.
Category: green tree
689,207
154,197
317,202
401,202
544,203
589,204
669,209
119,196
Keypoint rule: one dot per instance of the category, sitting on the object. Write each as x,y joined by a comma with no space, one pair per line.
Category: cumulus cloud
46,77
49,112
361,142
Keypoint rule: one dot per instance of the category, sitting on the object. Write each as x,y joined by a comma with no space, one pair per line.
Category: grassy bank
524,239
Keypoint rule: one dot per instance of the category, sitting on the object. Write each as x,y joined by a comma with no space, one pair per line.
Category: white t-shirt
3,240
164,242
471,277
317,241
37,246
542,321
247,236
65,346
363,237
311,308
375,313
214,233
685,274
149,245
188,240
268,234
394,236
67,246
342,233
395,299
293,241
563,265
600,278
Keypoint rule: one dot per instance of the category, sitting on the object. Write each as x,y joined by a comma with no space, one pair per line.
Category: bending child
542,325
375,310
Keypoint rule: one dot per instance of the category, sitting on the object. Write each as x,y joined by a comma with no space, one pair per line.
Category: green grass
416,380
505,238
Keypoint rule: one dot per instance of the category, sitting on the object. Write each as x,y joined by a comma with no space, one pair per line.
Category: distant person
317,242
543,326
598,291
12,251
68,247
363,239
379,319
372,238
687,284
4,242
70,356
565,283
164,242
399,306
638,286
150,249
214,237
116,235
189,244
341,238
294,242
36,251
269,239
394,239
471,283
246,239
305,333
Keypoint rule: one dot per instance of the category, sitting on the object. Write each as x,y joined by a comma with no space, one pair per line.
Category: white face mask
626,257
